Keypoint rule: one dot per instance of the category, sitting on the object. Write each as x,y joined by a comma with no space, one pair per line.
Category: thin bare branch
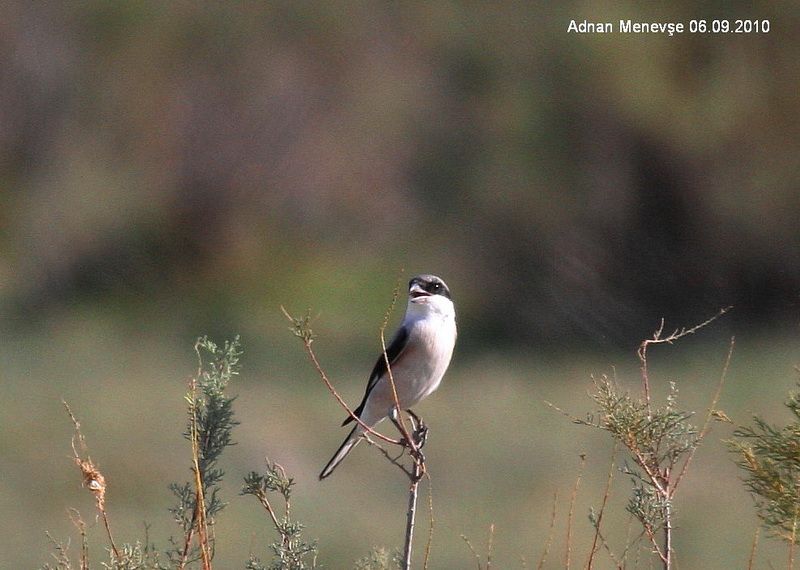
490,547
393,460
472,549
606,495
264,500
429,542
411,513
550,532
669,339
753,548
712,409
618,563
573,497
200,504
77,521
307,338
792,539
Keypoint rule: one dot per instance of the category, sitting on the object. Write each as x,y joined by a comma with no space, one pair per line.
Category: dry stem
490,547
753,549
264,500
712,409
792,539
93,479
76,519
411,513
417,472
657,339
429,542
606,495
550,533
661,480
307,340
472,549
200,504
573,497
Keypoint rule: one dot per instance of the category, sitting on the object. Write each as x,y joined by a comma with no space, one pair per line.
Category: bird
418,354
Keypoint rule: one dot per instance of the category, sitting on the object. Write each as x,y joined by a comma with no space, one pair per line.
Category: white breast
435,340
420,368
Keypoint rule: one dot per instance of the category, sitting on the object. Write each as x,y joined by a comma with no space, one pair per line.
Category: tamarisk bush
291,552
660,442
210,423
209,427
769,456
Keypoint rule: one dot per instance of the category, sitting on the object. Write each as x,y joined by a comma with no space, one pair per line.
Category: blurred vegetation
593,184
174,168
770,457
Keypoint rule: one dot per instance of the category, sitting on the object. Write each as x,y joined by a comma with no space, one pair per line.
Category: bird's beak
416,292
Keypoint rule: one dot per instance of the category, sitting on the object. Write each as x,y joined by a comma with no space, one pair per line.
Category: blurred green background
173,169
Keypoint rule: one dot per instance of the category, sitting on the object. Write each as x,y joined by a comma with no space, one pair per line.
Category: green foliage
657,437
379,558
770,458
137,556
659,441
209,427
290,551
301,326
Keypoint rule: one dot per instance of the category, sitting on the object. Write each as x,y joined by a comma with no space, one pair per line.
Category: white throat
430,306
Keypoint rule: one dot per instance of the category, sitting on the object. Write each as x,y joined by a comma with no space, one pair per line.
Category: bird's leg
420,433
395,417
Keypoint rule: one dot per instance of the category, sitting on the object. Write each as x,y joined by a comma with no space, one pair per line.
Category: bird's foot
420,432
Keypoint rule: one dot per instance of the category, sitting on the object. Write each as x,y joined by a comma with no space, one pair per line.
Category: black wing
394,350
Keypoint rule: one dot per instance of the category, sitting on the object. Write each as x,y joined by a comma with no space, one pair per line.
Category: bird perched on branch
418,356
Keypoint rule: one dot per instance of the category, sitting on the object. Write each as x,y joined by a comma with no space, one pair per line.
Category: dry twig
671,338
75,518
93,479
301,330
753,549
550,533
429,542
573,497
712,412
599,520
200,503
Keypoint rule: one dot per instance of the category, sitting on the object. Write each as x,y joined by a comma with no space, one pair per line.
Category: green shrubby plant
769,456
658,441
210,424
291,551
380,558
209,429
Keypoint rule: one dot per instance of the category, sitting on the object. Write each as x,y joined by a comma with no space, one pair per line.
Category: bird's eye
436,286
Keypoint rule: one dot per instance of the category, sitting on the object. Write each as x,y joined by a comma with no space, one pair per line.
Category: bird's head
429,292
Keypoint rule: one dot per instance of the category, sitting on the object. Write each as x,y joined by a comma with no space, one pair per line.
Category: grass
497,454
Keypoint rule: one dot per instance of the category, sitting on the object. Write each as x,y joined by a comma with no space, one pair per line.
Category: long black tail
347,446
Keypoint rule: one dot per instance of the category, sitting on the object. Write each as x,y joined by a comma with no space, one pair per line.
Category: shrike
418,355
